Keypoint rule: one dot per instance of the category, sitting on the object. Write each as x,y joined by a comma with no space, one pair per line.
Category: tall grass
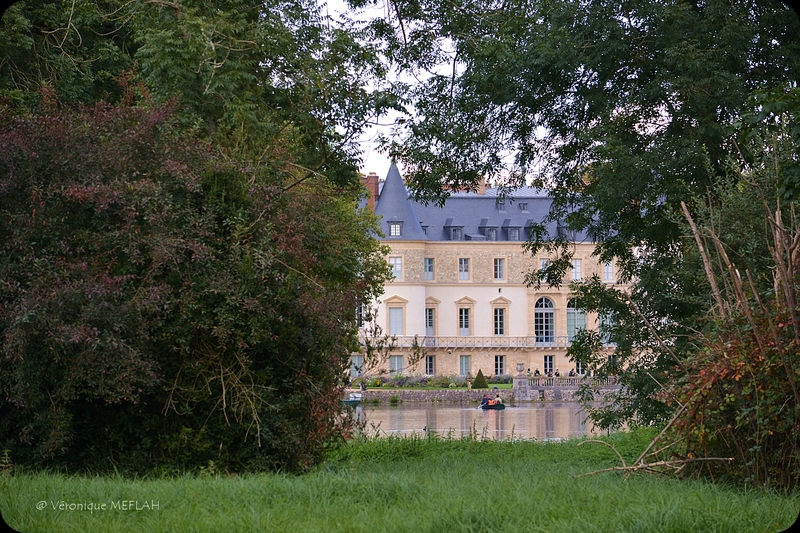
416,484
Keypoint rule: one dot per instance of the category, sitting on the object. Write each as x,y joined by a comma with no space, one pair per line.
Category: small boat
496,406
353,400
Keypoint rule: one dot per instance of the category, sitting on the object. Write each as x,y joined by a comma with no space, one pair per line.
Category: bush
480,381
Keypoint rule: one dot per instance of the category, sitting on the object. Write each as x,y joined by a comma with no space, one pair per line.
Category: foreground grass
416,485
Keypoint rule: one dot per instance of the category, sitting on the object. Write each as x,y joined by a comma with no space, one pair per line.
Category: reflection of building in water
526,421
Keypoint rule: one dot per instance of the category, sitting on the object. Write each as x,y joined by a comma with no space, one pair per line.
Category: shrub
480,381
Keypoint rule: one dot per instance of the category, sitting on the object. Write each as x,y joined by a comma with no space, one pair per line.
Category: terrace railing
481,342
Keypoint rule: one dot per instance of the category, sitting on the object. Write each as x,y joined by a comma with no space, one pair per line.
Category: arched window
576,319
544,321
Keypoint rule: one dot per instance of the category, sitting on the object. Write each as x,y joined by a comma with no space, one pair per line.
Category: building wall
481,293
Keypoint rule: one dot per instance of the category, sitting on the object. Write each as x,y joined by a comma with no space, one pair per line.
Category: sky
374,161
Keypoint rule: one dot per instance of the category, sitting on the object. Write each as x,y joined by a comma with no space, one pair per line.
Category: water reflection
540,421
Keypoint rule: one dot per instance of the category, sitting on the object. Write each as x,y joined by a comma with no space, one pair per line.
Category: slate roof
475,214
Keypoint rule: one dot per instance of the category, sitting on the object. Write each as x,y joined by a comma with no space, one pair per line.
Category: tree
183,250
622,110
163,306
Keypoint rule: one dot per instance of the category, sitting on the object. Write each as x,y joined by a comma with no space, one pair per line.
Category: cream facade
465,302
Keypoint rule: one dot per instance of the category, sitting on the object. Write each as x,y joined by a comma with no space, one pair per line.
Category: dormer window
395,229
513,234
501,206
491,234
455,234
523,206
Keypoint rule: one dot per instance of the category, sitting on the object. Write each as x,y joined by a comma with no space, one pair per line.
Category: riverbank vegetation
419,484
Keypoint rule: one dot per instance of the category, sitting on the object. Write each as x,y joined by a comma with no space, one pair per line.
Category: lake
540,421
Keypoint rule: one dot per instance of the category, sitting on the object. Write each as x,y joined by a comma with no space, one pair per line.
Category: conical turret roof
395,207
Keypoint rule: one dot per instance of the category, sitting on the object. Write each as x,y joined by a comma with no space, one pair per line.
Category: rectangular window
523,206
543,263
579,368
577,272
430,367
360,316
356,365
605,327
463,268
463,321
499,268
395,321
395,229
491,234
428,267
464,365
395,364
548,364
500,321
455,234
608,272
499,365
513,234
430,330
397,267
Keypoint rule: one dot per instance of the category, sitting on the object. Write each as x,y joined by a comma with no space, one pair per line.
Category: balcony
479,342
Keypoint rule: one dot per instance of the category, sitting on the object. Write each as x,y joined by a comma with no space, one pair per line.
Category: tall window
499,365
360,314
463,321
356,365
464,365
604,328
548,363
463,268
544,263
395,321
499,321
430,322
428,267
395,364
395,229
544,322
580,368
397,267
577,269
608,271
430,366
455,234
576,319
491,234
499,268
513,234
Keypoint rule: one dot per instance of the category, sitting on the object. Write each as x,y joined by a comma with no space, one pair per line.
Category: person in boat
485,400
498,400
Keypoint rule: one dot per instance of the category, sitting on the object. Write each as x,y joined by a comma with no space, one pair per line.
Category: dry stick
651,466
658,437
738,289
706,263
622,460
654,333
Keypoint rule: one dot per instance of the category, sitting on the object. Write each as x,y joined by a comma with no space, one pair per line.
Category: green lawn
406,485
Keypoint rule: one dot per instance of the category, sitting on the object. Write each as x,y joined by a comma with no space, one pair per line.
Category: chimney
371,182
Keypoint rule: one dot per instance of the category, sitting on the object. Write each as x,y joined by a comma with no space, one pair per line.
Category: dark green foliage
161,306
181,263
480,381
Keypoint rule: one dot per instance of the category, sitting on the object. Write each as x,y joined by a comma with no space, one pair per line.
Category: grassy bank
398,485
